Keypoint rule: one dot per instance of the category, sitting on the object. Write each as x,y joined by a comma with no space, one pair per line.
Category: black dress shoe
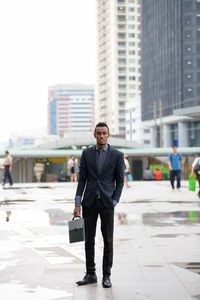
106,282
88,278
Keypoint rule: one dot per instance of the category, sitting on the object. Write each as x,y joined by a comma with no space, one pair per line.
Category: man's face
101,135
6,154
174,150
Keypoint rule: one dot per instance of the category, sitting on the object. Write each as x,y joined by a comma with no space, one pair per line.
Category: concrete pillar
183,136
166,136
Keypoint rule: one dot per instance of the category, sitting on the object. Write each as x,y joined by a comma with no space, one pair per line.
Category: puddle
172,218
58,217
160,219
190,266
168,235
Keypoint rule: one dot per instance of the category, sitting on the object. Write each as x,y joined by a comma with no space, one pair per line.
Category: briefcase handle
79,217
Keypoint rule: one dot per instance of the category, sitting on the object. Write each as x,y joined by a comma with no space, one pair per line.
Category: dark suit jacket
109,183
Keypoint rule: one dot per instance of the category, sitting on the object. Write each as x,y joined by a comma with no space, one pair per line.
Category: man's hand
77,211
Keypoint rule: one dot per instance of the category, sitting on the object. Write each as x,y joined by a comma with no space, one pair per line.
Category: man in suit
101,180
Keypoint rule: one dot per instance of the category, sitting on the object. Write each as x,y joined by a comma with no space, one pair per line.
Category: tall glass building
170,63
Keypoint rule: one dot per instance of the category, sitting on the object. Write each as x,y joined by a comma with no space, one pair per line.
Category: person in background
157,174
73,164
7,164
195,162
148,175
127,170
175,164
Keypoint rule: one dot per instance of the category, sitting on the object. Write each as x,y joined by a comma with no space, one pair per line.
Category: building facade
170,64
70,109
118,61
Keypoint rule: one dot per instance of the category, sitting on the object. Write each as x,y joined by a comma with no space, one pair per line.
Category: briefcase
76,230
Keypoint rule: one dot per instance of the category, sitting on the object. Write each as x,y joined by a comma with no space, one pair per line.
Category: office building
170,66
70,109
118,61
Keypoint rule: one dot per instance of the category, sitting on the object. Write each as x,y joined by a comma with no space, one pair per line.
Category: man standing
175,164
101,180
8,168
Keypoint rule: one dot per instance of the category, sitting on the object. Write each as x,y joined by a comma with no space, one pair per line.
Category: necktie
99,160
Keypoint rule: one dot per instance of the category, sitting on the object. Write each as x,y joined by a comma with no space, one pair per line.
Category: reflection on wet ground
58,217
191,266
161,218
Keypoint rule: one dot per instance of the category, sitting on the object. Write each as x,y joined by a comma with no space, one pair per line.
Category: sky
43,43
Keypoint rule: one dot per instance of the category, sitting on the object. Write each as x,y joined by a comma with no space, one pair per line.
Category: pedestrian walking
175,164
7,164
101,180
127,170
73,164
196,169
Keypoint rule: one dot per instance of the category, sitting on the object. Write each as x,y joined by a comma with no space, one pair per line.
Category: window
121,9
121,44
122,61
131,60
131,9
122,95
121,26
131,52
198,19
121,52
198,76
146,142
132,87
131,1
131,69
188,5
122,70
121,36
198,48
146,130
131,35
198,90
188,20
122,87
131,77
198,33
131,44
122,78
122,104
198,5
133,120
121,18
131,18
132,95
198,62
122,128
131,26
121,1
133,130
121,112
122,121
189,77
188,92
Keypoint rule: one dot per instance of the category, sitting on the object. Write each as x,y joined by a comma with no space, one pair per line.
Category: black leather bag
76,230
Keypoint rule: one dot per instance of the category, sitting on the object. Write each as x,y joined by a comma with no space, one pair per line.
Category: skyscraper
171,70
118,61
70,109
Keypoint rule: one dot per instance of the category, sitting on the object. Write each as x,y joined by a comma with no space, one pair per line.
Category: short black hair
101,124
7,152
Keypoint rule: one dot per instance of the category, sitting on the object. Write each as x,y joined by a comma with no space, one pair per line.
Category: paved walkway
156,246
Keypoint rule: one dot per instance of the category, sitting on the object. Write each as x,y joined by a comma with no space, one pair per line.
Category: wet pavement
156,244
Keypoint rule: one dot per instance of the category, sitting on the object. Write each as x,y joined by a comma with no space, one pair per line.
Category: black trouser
90,215
7,174
198,179
177,174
